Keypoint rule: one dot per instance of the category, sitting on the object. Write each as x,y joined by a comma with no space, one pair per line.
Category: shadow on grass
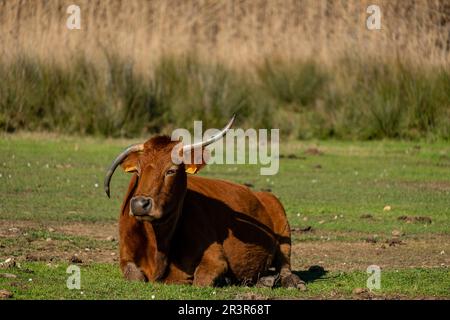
312,274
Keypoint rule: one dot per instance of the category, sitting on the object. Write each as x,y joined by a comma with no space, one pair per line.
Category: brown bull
176,228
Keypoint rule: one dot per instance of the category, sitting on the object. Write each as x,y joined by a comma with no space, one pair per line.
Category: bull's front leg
212,267
176,275
132,272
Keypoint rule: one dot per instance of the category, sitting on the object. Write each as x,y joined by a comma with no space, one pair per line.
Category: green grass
362,99
104,281
59,179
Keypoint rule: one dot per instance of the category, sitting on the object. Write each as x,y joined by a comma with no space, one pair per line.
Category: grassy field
336,194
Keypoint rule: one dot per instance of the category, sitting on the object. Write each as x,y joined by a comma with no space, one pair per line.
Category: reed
308,67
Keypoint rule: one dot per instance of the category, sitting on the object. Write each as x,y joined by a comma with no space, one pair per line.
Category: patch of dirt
20,285
75,259
302,229
5,294
346,256
94,242
292,156
313,152
32,258
98,231
394,242
412,219
442,186
360,291
397,233
92,230
371,239
60,250
250,296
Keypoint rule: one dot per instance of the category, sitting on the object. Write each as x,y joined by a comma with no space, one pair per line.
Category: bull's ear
130,163
197,160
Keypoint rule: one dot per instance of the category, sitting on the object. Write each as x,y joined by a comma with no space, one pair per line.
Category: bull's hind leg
282,261
283,265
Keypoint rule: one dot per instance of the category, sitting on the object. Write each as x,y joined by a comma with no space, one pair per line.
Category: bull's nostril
141,205
145,204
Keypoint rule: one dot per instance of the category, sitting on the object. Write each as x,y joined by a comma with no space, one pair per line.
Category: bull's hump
216,187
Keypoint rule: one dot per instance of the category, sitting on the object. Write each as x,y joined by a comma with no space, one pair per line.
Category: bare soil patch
413,219
442,186
97,242
98,231
346,256
89,242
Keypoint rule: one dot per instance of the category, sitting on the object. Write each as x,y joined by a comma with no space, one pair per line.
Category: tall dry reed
235,32
309,67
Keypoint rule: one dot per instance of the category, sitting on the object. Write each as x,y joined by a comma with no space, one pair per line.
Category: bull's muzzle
140,206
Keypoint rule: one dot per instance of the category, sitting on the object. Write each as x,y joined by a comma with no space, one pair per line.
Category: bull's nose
141,205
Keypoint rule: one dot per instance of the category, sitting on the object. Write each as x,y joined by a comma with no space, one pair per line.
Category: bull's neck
160,236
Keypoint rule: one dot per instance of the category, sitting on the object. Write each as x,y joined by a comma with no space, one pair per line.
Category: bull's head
161,182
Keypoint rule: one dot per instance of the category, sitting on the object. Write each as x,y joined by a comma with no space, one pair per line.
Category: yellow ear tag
191,168
130,168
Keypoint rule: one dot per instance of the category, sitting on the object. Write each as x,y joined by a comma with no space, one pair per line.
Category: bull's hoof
293,281
133,273
267,281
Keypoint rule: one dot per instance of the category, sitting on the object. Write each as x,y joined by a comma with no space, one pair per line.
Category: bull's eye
171,172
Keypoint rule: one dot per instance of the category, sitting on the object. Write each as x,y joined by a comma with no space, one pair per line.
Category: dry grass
308,67
231,31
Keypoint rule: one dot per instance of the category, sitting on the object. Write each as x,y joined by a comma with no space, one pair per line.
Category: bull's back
228,197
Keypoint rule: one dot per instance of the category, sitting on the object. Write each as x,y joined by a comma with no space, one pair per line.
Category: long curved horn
117,161
213,139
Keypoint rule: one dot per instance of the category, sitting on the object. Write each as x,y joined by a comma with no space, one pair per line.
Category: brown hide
208,231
